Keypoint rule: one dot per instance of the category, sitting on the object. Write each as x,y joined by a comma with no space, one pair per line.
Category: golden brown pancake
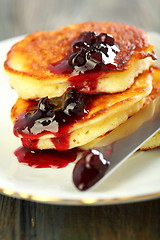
155,140
107,112
28,61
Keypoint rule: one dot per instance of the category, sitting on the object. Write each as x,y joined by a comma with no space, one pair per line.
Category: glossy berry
90,51
50,117
88,37
89,169
76,46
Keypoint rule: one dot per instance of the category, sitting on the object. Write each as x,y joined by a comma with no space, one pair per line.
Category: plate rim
83,201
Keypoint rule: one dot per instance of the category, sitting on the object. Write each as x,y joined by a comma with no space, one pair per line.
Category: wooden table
25,220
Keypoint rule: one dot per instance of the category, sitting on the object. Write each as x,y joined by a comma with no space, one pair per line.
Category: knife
101,161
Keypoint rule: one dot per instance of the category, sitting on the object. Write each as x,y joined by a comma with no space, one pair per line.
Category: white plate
137,179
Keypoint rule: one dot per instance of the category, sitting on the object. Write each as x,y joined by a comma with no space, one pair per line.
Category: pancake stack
78,83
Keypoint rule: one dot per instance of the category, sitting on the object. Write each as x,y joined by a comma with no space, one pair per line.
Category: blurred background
19,17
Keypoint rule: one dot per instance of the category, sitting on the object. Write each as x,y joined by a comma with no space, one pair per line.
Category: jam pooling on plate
54,116
49,158
90,55
91,167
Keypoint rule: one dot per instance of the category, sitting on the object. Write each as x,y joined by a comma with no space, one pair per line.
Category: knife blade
101,161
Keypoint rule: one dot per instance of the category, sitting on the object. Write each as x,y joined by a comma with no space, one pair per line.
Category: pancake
154,141
31,62
106,112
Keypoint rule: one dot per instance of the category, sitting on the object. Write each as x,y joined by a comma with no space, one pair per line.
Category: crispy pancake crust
108,111
28,60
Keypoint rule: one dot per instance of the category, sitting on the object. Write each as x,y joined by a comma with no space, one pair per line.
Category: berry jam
54,116
45,158
91,54
90,169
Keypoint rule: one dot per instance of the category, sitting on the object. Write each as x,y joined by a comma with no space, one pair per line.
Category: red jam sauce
45,158
90,55
54,116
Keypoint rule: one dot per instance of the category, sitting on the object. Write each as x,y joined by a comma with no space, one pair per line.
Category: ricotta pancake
74,120
154,141
91,57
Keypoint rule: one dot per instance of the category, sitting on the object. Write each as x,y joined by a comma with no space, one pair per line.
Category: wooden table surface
25,220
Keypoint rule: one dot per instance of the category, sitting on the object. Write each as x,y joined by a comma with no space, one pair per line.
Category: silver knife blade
116,147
